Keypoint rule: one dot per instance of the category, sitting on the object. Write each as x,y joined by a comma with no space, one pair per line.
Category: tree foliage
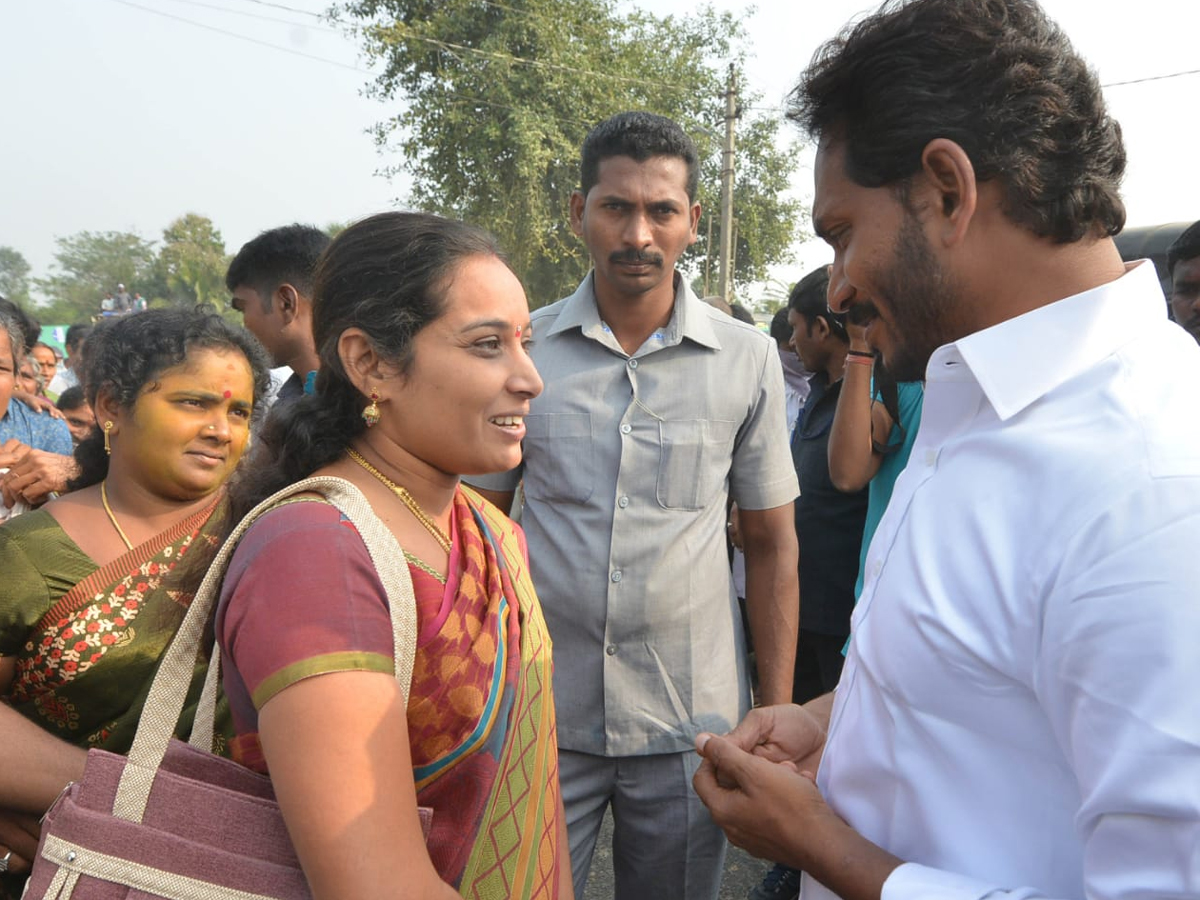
496,98
14,276
192,262
90,263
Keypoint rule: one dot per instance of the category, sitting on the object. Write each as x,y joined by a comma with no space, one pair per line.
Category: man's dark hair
71,398
76,335
640,136
995,76
286,255
742,314
1184,247
810,299
781,331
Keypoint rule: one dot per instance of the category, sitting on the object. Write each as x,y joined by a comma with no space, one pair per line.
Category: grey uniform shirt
628,462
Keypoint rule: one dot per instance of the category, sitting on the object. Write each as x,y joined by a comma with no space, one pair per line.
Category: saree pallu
86,667
302,598
515,851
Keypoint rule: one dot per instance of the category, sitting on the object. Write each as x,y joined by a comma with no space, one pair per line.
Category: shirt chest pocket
561,445
693,463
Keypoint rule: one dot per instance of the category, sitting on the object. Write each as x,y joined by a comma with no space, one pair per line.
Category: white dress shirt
1019,713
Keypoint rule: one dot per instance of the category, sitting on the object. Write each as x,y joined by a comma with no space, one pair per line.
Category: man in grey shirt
657,409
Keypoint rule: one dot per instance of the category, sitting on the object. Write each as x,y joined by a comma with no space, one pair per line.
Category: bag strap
168,692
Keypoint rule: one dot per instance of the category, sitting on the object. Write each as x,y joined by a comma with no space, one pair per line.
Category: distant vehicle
1151,242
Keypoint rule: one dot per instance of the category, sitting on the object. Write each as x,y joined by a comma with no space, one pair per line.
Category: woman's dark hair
130,353
388,276
22,328
998,78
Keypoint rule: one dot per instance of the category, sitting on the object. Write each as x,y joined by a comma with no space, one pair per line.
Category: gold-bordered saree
85,668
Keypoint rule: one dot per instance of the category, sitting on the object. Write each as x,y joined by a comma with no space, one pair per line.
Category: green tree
14,276
193,261
89,264
497,98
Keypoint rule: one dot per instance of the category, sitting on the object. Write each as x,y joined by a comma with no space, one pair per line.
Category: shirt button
611,650
616,576
623,502
633,364
626,428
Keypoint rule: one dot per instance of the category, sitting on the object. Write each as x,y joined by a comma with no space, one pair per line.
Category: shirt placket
625,513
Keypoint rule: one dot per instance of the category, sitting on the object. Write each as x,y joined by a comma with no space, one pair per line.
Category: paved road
742,871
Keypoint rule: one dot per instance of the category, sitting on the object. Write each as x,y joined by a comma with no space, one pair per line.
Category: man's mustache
861,313
637,258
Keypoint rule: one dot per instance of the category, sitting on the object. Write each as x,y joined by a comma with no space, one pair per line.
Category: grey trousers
665,844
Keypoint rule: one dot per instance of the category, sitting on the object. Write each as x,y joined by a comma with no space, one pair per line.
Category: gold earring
371,413
108,426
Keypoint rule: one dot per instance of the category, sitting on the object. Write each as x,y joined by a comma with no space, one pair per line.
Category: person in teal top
873,433
910,396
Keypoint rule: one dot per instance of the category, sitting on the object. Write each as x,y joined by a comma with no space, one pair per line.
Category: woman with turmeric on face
88,605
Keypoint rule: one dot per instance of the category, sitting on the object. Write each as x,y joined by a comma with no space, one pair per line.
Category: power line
536,63
1151,78
242,12
303,12
242,37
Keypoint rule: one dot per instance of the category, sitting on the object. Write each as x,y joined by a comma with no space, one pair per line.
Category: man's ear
950,177
287,299
576,208
694,212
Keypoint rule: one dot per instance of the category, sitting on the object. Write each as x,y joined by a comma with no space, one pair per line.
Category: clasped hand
759,781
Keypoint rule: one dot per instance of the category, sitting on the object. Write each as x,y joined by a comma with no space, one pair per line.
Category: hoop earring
108,426
371,413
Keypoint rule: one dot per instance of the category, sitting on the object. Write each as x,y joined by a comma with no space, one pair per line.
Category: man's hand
769,809
759,784
35,475
784,734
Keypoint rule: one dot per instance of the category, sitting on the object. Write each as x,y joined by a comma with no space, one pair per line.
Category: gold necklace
111,517
406,498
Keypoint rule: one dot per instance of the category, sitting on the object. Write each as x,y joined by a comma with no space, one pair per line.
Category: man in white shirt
1017,714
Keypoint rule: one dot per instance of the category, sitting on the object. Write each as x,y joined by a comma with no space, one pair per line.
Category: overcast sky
124,114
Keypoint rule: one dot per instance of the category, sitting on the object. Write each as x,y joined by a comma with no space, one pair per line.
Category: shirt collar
1022,359
689,317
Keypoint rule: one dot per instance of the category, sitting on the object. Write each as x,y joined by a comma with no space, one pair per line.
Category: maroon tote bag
173,820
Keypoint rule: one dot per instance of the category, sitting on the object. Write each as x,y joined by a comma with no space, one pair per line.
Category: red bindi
228,394
518,331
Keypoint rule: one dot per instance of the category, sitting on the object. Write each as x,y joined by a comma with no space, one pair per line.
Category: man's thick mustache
637,257
861,313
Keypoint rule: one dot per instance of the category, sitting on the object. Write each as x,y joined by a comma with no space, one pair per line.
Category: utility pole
725,272
708,258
